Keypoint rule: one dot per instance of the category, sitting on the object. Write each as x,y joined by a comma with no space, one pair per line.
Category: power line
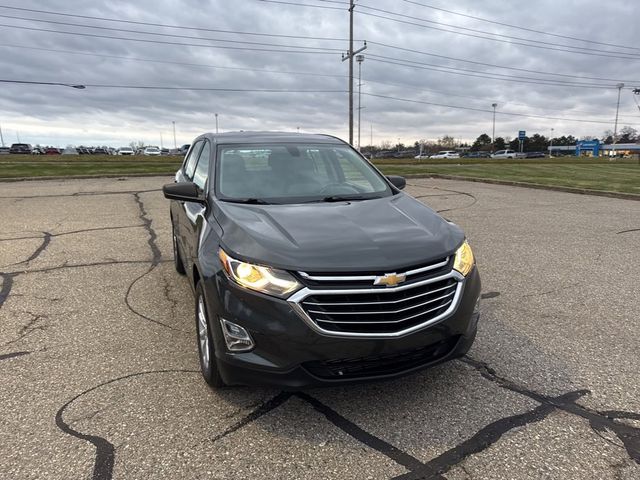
458,27
159,87
474,62
519,27
471,73
282,2
170,62
165,25
483,110
158,34
286,72
511,42
165,42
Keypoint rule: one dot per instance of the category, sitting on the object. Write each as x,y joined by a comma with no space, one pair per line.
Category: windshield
295,173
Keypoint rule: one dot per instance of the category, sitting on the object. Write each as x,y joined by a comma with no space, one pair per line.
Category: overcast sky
116,116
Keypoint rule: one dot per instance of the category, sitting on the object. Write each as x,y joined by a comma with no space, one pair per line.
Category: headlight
256,277
464,260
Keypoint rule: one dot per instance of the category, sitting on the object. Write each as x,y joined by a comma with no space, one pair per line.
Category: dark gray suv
310,267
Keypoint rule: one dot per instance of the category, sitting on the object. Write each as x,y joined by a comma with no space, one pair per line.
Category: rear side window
202,169
192,158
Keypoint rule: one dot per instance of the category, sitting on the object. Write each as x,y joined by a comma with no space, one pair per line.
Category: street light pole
493,134
551,143
615,126
175,145
359,59
216,122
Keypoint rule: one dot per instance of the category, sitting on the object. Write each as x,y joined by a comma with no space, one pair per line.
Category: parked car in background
421,156
303,279
20,148
151,151
164,151
125,151
477,155
184,149
51,151
534,155
446,154
505,154
100,151
5,150
70,151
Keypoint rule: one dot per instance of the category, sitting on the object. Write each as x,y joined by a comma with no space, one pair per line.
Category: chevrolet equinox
310,267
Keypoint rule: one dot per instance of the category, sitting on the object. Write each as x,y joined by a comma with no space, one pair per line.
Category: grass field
622,175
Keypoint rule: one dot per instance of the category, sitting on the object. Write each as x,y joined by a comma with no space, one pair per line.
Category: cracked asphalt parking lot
99,372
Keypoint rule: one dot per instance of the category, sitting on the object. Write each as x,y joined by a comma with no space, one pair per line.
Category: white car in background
125,151
151,151
422,156
505,154
446,154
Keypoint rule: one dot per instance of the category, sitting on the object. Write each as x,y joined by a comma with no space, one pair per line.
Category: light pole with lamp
216,115
359,59
493,132
619,86
551,144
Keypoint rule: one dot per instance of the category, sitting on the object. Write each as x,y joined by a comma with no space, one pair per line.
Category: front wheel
206,347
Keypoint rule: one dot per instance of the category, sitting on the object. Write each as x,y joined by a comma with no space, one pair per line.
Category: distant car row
26,149
498,154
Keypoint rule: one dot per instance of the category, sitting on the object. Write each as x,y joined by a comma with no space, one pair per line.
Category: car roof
238,138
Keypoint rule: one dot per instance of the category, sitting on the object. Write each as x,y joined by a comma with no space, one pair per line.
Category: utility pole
216,122
371,125
1,137
493,134
349,56
615,126
161,144
551,143
359,59
175,145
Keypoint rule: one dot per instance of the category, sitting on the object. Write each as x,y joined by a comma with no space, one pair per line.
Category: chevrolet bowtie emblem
390,279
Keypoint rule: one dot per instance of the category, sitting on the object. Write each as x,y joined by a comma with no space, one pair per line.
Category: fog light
236,337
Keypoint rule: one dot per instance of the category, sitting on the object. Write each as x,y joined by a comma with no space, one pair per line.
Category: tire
177,259
206,345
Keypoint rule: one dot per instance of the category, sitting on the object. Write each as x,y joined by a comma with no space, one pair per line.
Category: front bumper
292,355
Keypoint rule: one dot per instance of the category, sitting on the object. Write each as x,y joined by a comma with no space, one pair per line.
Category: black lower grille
381,365
382,310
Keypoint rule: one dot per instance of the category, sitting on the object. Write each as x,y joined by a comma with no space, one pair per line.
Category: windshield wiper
250,201
343,198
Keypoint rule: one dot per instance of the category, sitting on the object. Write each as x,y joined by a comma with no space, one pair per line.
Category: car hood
380,234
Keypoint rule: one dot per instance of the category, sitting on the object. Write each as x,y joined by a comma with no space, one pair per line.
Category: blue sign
522,134
593,145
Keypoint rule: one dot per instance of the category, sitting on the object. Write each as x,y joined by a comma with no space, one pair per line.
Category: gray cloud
58,115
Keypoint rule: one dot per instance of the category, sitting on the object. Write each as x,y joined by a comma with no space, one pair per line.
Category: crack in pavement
6,356
84,194
105,451
7,283
83,265
143,216
488,295
628,231
29,328
261,410
457,192
402,458
71,232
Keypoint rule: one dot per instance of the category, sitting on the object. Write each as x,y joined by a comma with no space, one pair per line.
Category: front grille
380,310
414,273
380,365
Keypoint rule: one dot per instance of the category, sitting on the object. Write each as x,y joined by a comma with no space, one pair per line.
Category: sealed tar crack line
84,194
261,410
371,441
483,439
143,216
104,459
628,231
7,356
7,283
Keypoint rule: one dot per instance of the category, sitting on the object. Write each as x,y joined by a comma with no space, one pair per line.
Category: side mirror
397,181
184,192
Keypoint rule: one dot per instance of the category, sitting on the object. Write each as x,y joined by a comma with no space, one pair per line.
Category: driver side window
192,158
